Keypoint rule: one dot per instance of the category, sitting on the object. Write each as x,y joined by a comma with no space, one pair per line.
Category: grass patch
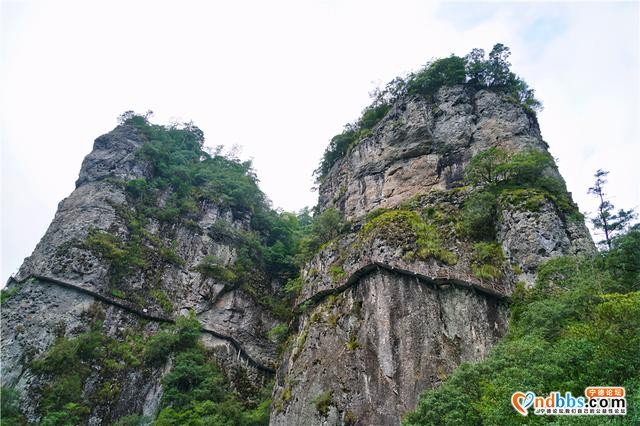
487,260
408,229
323,402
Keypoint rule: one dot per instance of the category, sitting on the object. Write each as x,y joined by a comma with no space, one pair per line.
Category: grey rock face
375,347
529,238
420,146
31,316
114,156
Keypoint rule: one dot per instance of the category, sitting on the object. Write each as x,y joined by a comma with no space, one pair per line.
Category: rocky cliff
392,307
102,259
158,233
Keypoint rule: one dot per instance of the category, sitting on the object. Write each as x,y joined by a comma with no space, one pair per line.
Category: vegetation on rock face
474,70
323,402
410,230
195,391
185,177
581,313
10,407
579,326
521,179
488,260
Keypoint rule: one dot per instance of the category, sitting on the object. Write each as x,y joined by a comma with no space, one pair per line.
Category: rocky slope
391,308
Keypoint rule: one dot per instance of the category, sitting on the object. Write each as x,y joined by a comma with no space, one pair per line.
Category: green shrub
133,420
525,198
10,407
623,259
116,292
337,273
70,415
7,293
353,343
487,260
294,286
410,230
162,299
323,228
278,333
66,352
212,267
323,402
479,216
441,72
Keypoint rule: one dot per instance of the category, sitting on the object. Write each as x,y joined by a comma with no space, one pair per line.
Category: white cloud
280,78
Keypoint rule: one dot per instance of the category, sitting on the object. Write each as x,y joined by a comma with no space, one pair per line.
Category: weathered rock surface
422,145
382,325
529,238
377,345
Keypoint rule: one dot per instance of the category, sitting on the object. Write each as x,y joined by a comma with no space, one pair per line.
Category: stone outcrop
379,324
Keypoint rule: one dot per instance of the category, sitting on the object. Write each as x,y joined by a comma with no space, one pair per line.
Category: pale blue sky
280,78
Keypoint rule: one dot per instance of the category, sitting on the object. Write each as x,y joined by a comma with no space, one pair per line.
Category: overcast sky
280,78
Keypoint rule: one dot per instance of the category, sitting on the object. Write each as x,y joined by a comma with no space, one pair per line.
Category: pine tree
605,220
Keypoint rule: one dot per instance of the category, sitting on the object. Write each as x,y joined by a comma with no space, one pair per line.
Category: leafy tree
478,215
623,259
497,67
494,73
487,167
323,228
10,407
475,67
605,220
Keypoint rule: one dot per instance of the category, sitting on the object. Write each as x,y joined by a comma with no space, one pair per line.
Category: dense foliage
195,393
476,70
579,326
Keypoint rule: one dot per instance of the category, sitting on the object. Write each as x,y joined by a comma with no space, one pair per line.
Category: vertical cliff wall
393,306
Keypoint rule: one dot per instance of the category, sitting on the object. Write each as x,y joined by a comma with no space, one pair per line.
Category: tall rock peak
395,305
132,262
